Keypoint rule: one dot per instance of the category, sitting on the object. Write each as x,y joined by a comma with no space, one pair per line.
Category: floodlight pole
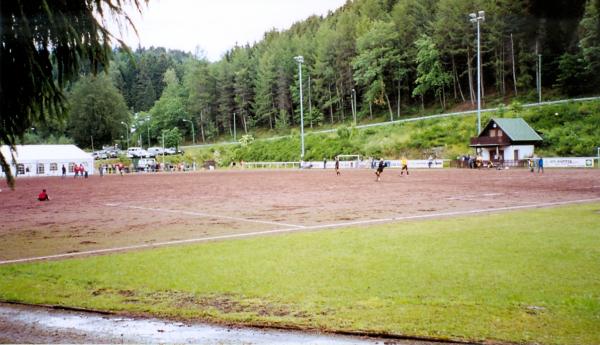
300,60
126,126
163,148
476,18
193,133
148,126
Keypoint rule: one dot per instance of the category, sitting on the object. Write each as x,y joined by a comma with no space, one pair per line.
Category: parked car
137,152
173,151
111,151
146,164
170,151
99,155
155,151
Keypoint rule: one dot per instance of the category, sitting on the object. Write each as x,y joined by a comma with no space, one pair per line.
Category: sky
215,26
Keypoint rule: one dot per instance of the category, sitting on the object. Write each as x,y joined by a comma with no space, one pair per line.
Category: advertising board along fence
417,164
355,164
272,165
569,162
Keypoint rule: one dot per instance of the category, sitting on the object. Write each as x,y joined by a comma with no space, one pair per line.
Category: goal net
350,161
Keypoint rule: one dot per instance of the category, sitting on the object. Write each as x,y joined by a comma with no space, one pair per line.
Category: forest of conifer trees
397,55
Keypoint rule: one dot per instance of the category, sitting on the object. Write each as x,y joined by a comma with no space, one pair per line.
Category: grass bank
569,129
527,277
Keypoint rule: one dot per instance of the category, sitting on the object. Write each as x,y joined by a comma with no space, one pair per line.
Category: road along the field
114,213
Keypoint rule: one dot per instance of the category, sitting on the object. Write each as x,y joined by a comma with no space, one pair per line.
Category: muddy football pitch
115,213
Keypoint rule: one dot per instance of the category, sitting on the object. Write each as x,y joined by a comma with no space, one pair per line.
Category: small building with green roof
506,139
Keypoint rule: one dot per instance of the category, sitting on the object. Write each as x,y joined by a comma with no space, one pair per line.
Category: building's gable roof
27,153
517,129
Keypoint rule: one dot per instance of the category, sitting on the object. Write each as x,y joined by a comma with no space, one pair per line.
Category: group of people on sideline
477,162
539,162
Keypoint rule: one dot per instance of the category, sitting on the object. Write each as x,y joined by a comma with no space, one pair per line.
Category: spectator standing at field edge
337,165
541,165
530,162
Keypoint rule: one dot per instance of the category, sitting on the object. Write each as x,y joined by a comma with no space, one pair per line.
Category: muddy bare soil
114,211
26,324
133,210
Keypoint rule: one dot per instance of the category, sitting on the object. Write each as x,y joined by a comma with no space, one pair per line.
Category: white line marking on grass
200,214
313,227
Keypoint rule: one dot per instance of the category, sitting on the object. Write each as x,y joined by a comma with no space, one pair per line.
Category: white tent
47,160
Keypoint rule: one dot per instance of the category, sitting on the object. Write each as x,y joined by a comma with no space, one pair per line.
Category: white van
136,152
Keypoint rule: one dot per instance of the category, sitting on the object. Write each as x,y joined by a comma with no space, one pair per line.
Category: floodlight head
299,59
472,16
481,14
123,123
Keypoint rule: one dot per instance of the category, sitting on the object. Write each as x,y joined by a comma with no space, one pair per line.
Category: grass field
528,277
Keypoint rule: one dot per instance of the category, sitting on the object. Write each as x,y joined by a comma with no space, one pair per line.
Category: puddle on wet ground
60,326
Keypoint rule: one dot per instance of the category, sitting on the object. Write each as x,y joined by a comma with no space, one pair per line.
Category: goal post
350,161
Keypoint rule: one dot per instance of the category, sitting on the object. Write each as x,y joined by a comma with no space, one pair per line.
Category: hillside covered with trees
396,56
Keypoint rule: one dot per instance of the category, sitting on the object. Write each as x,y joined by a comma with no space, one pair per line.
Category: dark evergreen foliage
44,44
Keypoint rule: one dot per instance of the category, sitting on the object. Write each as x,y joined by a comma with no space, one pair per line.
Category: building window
492,133
53,167
499,133
40,169
20,169
71,167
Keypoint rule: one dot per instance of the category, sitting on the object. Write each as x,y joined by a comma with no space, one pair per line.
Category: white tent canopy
47,160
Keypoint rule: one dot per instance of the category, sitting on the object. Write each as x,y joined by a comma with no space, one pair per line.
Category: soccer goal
350,161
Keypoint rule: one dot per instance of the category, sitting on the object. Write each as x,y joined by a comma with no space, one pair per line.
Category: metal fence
271,165
521,163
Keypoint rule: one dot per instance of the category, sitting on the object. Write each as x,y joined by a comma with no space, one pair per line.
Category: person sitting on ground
43,196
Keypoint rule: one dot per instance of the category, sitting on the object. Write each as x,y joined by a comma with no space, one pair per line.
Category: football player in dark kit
380,167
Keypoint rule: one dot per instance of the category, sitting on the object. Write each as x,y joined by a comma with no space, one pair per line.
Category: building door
501,155
516,152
